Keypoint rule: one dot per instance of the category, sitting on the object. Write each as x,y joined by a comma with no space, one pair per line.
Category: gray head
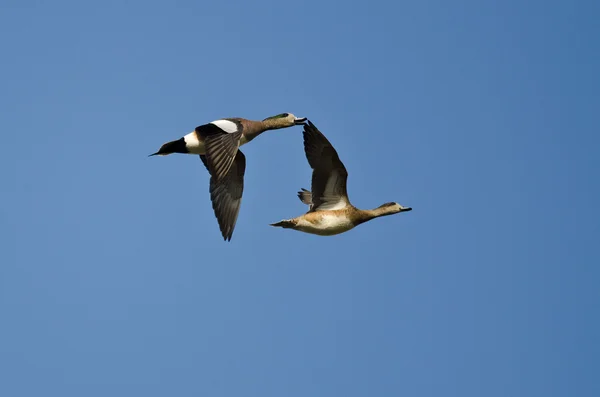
283,120
392,208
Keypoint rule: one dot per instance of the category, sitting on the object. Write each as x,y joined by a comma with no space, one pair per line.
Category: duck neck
275,124
252,129
367,215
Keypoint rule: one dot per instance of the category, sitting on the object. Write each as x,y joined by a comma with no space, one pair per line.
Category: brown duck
330,211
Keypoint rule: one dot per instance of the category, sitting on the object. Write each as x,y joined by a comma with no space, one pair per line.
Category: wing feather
226,194
329,176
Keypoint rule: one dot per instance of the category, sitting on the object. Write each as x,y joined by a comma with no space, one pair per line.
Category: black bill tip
300,120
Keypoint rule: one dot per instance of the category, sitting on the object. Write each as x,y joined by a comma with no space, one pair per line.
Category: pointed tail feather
305,196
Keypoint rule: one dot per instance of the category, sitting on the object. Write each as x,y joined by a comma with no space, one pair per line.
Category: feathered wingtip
305,196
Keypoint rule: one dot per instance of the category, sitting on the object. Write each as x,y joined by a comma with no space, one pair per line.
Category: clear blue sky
481,115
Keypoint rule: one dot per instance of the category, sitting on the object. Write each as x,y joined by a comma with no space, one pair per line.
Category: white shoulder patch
226,125
192,143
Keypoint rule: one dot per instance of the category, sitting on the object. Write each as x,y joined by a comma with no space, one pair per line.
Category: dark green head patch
279,116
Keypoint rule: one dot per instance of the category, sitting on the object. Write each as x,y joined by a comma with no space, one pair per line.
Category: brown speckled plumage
330,211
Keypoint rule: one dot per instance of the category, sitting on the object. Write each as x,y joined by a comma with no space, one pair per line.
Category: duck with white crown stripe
218,144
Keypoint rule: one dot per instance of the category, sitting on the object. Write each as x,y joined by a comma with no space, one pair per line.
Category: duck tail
286,224
305,196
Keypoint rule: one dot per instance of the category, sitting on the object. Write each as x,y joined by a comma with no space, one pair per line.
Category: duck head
284,120
177,146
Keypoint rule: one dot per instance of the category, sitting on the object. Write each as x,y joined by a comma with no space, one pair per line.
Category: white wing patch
226,125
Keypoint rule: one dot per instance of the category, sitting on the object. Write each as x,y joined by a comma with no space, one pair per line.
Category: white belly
328,225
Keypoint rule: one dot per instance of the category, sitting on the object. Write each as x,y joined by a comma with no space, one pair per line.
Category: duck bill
300,120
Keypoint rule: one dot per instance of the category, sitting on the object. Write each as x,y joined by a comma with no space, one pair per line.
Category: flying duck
218,144
330,211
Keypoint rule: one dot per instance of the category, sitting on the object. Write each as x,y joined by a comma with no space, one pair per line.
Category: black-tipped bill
405,209
300,120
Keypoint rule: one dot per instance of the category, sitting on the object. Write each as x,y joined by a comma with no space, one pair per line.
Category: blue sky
481,115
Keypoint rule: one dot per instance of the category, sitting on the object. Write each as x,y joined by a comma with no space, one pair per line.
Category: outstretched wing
329,174
221,142
226,194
